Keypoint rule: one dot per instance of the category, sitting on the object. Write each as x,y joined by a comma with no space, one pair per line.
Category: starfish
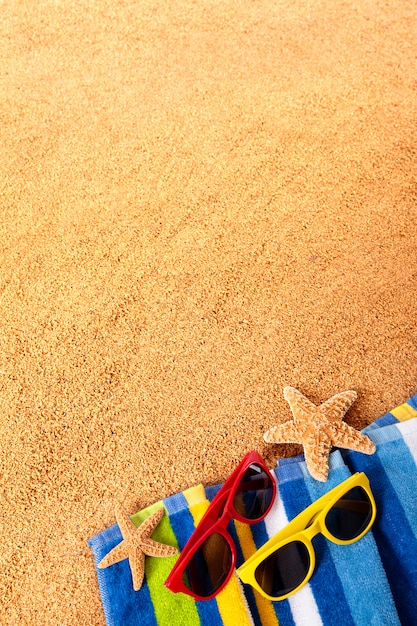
136,543
318,428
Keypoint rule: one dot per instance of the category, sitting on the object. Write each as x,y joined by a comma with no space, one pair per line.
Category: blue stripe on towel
284,613
175,503
401,477
397,543
211,491
183,526
208,612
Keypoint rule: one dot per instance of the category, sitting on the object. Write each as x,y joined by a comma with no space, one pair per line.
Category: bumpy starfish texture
136,544
319,428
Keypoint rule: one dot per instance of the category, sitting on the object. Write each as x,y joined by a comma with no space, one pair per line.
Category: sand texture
202,202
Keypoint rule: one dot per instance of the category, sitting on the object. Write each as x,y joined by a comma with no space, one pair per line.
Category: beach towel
370,582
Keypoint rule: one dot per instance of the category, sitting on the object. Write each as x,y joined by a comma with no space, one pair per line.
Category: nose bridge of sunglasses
313,526
306,522
218,512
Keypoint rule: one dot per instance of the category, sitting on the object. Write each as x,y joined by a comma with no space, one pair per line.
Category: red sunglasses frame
215,520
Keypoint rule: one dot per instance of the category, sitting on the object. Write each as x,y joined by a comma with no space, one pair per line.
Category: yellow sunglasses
286,562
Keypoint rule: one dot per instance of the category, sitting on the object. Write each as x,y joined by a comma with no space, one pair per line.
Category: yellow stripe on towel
265,608
404,412
231,602
195,495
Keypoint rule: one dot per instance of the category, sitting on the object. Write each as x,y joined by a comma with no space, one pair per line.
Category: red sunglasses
208,559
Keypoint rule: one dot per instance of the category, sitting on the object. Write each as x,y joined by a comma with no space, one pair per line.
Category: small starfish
318,428
136,543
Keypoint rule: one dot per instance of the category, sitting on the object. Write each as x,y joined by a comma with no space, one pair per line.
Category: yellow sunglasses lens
284,570
350,516
287,568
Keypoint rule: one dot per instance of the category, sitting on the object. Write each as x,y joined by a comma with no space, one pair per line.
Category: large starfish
318,428
136,543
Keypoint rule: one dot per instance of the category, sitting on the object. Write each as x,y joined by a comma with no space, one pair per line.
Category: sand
201,203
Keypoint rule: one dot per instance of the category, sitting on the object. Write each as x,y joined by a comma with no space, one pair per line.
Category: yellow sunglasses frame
303,528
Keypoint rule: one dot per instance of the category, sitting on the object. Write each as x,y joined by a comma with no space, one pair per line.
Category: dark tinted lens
209,566
284,570
350,516
254,493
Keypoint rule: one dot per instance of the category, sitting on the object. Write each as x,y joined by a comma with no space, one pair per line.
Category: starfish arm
283,433
137,567
335,407
348,437
148,526
301,407
316,454
118,553
127,527
154,548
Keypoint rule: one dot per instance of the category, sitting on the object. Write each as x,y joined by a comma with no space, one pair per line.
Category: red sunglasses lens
209,566
254,493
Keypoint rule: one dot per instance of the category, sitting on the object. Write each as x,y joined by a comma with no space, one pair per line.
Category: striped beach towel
372,582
